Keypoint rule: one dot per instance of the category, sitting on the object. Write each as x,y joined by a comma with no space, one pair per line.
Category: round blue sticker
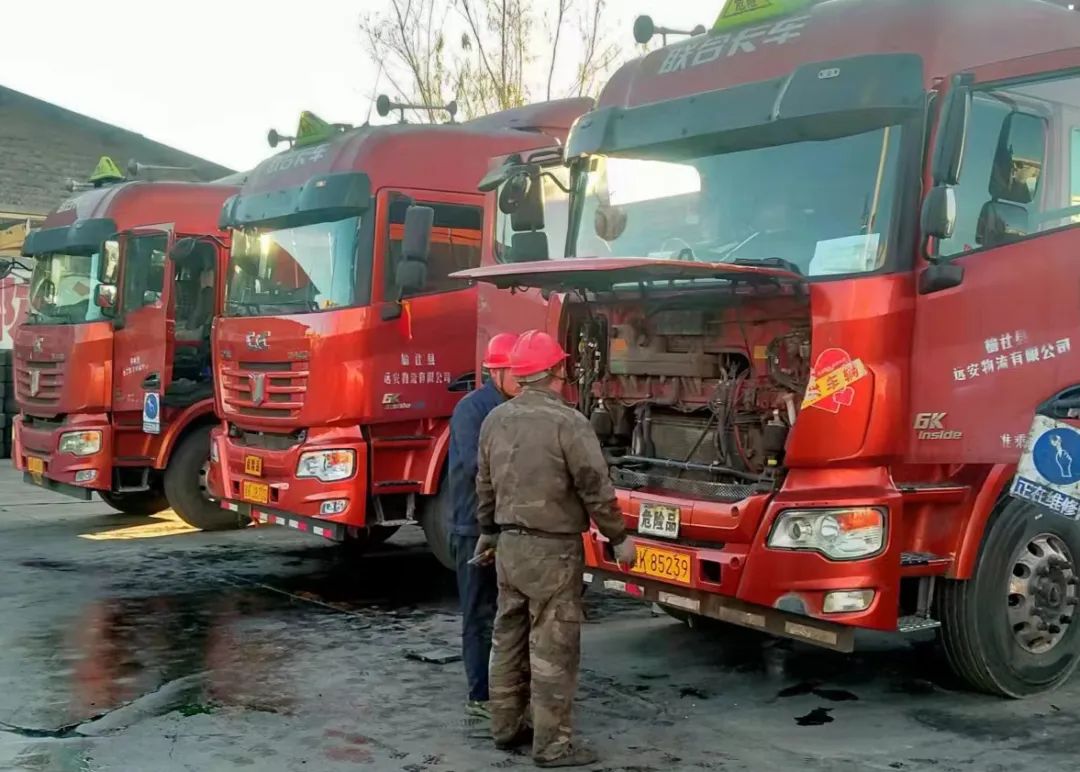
150,406
1057,456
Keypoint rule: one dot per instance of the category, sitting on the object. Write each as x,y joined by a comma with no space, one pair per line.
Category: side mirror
527,247
410,274
110,266
514,191
952,133
1001,222
1018,160
522,197
939,212
416,244
105,296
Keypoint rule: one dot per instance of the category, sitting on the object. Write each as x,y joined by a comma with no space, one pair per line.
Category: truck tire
435,520
1009,630
142,503
185,486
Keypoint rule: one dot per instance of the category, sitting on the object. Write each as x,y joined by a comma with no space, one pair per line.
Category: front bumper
64,472
287,494
732,570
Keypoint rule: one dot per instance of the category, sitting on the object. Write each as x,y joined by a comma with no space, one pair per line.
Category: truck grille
703,489
39,384
264,389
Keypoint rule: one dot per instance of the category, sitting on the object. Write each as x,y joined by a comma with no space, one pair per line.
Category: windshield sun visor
320,199
81,236
855,94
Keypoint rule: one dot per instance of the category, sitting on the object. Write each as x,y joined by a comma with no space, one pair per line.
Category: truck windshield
62,289
293,270
824,207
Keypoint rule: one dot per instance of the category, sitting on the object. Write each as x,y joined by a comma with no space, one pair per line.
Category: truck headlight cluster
326,465
843,533
80,443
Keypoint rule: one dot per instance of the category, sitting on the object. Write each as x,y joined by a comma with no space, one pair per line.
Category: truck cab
820,294
112,364
345,344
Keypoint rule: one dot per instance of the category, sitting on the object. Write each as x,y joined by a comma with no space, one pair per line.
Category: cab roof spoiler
557,115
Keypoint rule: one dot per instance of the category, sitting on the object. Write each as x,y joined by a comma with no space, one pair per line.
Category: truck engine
690,395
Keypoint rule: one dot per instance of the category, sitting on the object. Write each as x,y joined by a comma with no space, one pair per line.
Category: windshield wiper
771,262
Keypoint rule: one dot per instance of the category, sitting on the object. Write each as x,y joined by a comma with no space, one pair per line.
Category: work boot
478,709
522,738
575,756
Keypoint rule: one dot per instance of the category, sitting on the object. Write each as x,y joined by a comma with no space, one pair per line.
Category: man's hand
484,554
626,553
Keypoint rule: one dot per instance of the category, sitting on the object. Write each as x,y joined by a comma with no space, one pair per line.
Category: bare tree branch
559,14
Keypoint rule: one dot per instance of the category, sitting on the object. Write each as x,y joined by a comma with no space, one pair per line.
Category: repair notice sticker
1049,471
831,379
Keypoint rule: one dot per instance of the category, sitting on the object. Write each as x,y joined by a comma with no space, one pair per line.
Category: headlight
326,465
80,443
839,534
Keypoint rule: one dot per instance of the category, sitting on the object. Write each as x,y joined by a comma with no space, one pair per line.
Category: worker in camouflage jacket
541,476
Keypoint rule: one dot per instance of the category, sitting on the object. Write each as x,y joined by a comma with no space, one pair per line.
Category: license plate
659,520
662,564
253,465
35,466
258,493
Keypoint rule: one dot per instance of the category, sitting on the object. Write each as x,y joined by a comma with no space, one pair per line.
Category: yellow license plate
258,493
663,564
35,466
253,465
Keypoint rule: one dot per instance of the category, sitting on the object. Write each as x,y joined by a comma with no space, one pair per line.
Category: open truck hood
600,274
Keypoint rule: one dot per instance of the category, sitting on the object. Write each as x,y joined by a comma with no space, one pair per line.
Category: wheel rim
204,473
1042,593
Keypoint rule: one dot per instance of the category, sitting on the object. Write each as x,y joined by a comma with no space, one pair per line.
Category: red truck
344,343
112,364
820,293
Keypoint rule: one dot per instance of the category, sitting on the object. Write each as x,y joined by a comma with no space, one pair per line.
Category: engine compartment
694,393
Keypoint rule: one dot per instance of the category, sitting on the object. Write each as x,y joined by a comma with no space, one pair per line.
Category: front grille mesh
703,489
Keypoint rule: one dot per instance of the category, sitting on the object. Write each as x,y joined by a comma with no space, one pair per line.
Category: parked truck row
812,267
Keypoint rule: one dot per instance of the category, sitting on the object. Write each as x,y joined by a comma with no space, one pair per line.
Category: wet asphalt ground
131,643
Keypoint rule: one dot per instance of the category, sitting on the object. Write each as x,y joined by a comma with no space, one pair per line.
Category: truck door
427,357
988,351
142,344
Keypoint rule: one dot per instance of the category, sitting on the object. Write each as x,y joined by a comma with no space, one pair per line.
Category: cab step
923,563
915,624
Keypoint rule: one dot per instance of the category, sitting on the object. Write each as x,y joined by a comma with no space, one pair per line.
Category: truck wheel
142,503
435,520
1009,630
185,486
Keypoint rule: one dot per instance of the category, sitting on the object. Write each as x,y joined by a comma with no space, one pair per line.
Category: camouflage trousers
536,643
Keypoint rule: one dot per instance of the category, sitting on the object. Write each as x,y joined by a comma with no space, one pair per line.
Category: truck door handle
152,381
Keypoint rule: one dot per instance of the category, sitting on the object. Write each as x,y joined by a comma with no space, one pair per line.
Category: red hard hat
535,352
497,355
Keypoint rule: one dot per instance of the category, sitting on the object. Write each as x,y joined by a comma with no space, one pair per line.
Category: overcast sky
212,76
